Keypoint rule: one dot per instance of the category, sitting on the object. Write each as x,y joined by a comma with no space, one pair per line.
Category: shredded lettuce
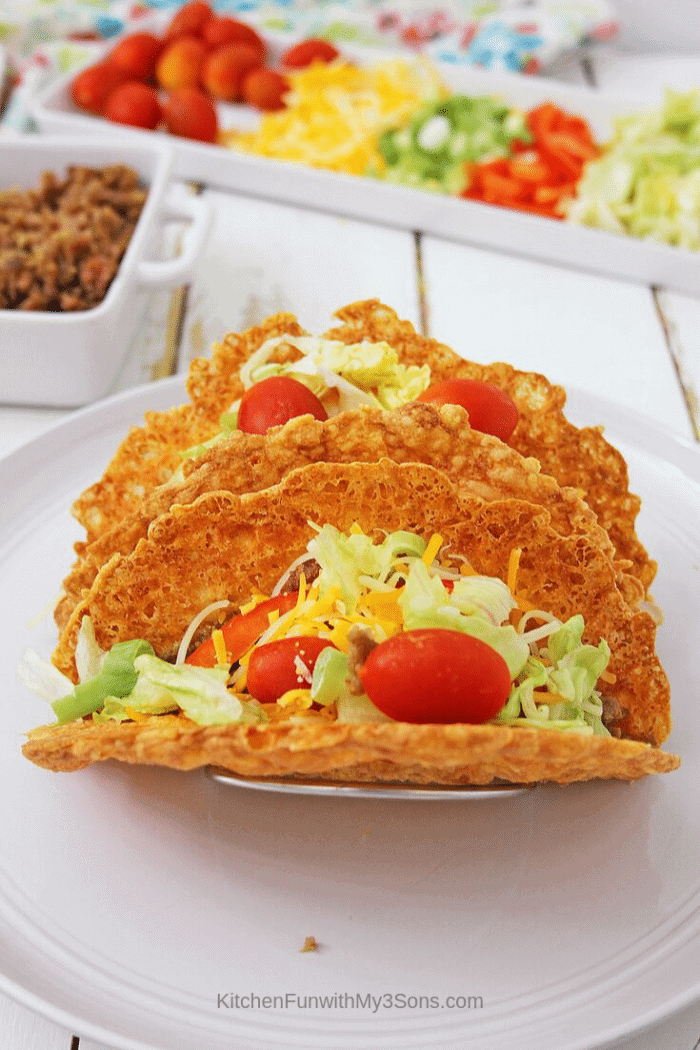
361,373
647,181
89,657
353,562
570,676
199,691
41,677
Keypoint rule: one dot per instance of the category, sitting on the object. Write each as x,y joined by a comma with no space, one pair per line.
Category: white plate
131,897
464,221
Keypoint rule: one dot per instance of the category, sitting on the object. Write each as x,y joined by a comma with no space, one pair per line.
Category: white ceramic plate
136,903
464,221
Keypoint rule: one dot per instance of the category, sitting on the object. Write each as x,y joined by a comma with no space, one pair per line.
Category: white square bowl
70,359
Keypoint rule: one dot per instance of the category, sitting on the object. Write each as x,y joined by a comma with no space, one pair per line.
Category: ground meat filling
613,713
360,645
61,244
309,569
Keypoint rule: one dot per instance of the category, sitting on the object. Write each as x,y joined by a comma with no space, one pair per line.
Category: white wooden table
636,345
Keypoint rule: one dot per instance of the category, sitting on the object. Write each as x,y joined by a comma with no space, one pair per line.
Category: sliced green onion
117,678
330,672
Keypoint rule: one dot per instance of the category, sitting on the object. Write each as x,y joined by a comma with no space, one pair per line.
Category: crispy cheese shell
225,546
578,458
149,454
476,463
395,751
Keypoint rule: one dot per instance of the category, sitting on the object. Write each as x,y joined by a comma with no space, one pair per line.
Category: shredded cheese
513,566
217,638
336,111
431,551
136,716
299,699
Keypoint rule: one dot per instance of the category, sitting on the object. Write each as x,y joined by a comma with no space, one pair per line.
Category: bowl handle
174,271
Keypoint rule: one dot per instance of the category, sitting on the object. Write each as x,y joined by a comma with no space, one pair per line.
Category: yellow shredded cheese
513,566
256,600
299,699
217,638
541,696
336,111
135,716
431,551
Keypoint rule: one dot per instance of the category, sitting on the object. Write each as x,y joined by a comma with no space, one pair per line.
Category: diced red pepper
539,175
242,631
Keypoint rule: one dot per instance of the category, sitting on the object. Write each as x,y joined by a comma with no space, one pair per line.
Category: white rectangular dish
69,359
464,221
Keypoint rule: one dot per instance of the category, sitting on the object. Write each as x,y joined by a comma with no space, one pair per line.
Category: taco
576,458
352,558
476,463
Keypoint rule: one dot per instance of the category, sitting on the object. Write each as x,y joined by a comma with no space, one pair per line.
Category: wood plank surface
263,258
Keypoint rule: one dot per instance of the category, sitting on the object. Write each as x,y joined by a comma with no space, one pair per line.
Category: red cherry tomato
191,114
221,30
432,675
307,51
274,401
274,668
136,104
242,631
189,19
265,89
91,88
491,410
137,55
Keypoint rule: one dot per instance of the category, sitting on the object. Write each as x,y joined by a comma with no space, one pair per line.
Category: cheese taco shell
387,751
477,464
224,546
577,458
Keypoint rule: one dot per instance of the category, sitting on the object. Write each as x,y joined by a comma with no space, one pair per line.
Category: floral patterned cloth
46,37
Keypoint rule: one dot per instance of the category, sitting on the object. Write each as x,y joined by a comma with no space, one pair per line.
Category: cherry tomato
265,89
191,114
432,675
180,63
91,88
221,30
190,19
224,70
491,410
308,51
242,631
136,104
273,668
274,401
137,54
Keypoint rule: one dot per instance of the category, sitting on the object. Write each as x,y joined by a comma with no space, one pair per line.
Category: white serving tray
468,222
